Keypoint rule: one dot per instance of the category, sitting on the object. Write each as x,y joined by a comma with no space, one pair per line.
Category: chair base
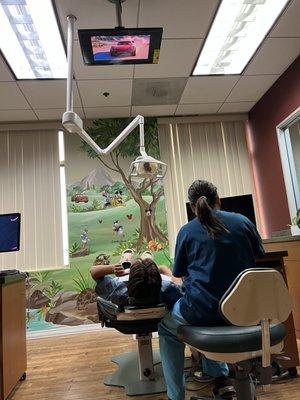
127,375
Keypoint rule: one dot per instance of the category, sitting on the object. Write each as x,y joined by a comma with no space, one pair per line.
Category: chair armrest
107,309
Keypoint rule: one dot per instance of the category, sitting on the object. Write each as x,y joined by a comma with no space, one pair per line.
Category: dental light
144,166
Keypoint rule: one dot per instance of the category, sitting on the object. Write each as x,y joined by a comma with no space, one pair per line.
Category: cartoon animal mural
107,213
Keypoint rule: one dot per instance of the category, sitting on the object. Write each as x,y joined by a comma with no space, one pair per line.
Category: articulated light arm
73,123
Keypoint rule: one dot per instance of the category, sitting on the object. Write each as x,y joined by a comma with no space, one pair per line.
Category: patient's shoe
200,376
147,255
127,258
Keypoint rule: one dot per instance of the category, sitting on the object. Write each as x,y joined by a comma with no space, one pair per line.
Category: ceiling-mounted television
120,45
10,232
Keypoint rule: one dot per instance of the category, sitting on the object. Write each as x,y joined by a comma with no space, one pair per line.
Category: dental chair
255,306
139,373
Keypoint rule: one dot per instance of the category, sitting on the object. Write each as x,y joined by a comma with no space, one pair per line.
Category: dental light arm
73,123
144,166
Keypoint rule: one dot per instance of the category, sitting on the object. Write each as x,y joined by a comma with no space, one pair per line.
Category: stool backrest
256,294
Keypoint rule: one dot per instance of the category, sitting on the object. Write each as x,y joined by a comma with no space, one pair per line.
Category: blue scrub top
210,266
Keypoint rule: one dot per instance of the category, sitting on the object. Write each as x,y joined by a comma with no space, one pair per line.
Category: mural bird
100,221
129,216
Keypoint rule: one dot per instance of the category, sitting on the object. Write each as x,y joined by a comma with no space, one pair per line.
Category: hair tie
203,198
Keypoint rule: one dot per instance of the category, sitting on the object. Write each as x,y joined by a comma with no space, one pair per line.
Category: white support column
266,347
145,357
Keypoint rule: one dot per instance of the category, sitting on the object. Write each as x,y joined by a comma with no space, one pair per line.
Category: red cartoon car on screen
123,47
80,198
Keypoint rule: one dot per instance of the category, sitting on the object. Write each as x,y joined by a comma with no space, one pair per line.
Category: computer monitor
10,232
120,45
239,204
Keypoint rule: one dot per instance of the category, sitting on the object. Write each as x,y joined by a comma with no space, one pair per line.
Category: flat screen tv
120,45
238,204
10,232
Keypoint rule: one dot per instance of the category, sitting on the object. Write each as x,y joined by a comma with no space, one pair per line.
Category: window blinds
30,183
212,150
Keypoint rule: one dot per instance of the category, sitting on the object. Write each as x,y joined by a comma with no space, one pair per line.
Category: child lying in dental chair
136,282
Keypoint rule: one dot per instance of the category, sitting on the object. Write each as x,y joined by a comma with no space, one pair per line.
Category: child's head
144,283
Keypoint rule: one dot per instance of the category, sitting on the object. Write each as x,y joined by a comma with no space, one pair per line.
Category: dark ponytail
203,196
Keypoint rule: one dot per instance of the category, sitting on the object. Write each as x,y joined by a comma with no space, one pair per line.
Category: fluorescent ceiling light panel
30,39
237,31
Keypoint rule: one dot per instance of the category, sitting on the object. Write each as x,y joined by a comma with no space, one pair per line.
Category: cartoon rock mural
108,212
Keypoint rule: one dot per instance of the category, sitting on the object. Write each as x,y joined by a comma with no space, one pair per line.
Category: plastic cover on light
147,167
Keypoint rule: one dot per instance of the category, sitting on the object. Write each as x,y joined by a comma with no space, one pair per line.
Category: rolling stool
257,303
139,373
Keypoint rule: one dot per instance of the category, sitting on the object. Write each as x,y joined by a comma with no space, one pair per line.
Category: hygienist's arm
164,270
180,262
255,240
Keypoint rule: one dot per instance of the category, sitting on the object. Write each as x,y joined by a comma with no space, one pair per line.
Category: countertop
6,279
280,239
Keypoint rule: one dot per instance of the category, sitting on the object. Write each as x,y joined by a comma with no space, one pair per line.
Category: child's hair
204,196
144,284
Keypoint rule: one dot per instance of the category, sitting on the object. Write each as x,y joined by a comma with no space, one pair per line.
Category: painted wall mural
108,212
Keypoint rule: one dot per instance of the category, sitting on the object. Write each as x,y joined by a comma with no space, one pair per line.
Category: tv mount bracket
118,4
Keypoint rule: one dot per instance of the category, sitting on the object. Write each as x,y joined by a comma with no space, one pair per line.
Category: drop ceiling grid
185,27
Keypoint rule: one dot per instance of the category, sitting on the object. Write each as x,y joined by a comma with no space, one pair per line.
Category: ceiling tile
177,58
92,92
17,115
83,71
47,94
11,98
236,107
195,109
96,14
208,89
157,91
288,24
274,57
251,88
107,112
5,75
154,111
180,19
55,113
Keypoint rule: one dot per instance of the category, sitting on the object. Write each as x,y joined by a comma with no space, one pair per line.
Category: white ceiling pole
70,49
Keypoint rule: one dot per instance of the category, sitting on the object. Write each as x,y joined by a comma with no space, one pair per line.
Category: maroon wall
278,103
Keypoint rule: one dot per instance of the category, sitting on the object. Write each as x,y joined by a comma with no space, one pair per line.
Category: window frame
288,163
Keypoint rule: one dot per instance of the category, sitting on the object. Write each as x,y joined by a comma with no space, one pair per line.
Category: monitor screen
238,204
120,46
10,232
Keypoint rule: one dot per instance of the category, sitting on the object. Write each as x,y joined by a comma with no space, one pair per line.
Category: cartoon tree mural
103,131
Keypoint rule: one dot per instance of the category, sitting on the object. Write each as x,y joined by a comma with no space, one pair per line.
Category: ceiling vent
148,92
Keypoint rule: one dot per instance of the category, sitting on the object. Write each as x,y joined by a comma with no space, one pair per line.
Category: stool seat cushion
228,339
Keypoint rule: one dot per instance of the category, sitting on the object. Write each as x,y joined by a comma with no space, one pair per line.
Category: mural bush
83,282
73,249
